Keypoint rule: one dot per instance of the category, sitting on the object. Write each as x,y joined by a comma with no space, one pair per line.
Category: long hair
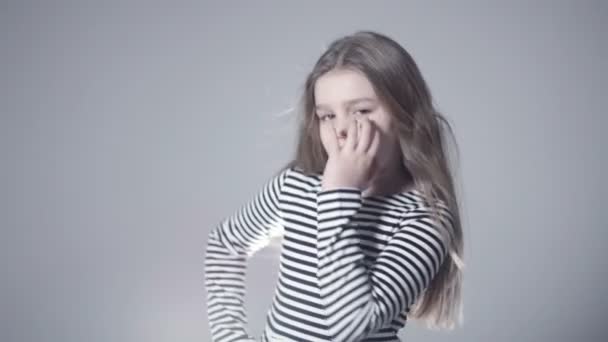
421,131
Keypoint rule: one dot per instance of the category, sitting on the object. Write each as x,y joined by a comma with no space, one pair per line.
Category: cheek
383,131
386,141
324,135
381,124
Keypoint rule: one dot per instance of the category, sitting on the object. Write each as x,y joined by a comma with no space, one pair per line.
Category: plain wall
128,130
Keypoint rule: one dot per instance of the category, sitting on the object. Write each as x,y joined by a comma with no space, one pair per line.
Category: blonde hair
422,132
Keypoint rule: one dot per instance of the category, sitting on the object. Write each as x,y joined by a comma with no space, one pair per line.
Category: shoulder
434,221
304,178
414,203
294,179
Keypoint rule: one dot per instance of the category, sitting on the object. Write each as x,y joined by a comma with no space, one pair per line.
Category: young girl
367,210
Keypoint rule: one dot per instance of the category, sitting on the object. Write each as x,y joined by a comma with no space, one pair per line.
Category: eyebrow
350,102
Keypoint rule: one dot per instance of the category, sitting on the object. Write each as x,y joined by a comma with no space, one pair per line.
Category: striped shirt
351,266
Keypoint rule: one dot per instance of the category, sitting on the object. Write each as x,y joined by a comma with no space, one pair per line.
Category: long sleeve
359,300
229,246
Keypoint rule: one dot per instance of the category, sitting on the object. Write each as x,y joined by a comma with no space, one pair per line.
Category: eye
363,111
322,117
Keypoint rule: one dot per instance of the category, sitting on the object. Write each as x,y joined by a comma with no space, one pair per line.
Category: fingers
366,134
331,144
352,135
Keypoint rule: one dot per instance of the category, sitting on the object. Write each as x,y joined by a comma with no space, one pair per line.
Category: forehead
338,87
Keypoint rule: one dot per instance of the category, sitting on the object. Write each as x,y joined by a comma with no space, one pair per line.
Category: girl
367,210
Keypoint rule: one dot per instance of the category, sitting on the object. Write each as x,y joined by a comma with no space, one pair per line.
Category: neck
388,180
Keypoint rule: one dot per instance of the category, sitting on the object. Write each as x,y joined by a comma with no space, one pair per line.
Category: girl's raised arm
359,300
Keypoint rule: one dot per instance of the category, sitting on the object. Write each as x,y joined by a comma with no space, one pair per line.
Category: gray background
129,129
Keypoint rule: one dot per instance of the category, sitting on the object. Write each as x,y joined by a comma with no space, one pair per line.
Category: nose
341,127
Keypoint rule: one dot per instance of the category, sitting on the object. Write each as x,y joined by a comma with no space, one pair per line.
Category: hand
354,164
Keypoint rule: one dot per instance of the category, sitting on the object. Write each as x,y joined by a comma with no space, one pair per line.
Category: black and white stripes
351,266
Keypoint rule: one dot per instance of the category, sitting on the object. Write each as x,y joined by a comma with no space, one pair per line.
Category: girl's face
341,95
